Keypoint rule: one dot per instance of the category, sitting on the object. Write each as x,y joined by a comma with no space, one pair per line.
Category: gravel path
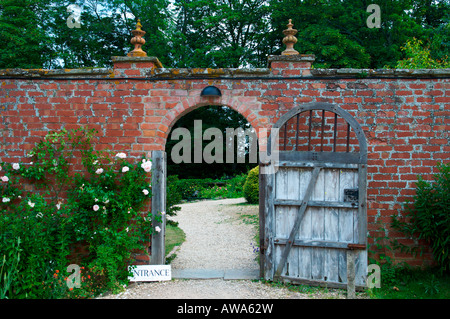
218,236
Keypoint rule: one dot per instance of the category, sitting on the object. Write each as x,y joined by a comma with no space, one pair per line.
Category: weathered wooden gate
313,198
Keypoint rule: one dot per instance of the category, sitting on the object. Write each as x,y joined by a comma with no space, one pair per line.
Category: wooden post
262,221
351,274
158,206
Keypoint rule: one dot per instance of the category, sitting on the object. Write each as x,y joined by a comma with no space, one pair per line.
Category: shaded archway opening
205,124
222,144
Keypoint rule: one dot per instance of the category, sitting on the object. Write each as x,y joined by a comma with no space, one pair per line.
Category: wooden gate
313,203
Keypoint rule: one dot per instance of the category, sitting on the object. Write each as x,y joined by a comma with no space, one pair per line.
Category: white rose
96,207
16,166
146,165
145,192
5,199
158,229
121,155
5,178
30,204
125,169
99,171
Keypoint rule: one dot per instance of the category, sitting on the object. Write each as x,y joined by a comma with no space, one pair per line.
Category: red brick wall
406,118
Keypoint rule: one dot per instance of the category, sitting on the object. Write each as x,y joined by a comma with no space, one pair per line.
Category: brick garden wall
405,114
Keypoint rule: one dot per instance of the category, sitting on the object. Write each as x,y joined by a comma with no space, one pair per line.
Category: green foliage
251,186
225,33
173,197
418,57
23,43
336,32
429,216
44,244
9,269
412,283
193,189
103,209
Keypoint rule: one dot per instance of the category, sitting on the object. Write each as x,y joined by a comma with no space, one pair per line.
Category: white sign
151,273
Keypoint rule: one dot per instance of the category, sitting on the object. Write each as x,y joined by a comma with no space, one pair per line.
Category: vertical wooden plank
361,226
293,186
158,206
304,253
346,231
317,227
269,224
281,212
262,221
331,216
351,274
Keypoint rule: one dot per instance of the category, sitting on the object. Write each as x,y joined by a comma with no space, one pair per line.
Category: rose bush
102,207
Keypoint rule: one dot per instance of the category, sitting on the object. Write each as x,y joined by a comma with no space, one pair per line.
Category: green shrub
429,216
190,188
173,197
102,208
251,186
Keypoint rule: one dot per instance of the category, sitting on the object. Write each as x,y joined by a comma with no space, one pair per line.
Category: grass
175,236
413,284
306,289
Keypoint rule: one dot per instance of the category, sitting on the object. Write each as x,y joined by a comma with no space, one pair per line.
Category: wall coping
136,59
49,73
239,73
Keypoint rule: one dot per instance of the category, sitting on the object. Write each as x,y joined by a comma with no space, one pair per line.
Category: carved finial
289,40
138,40
138,25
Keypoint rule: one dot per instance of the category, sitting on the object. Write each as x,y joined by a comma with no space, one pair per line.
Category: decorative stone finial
138,41
289,40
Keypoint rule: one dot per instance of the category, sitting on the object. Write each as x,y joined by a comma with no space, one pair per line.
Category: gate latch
351,195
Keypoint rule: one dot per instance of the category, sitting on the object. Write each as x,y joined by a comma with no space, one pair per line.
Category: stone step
225,274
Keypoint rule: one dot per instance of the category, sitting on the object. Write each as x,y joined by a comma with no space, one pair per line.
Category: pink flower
5,179
99,171
145,192
146,165
158,229
125,169
121,155
96,207
16,166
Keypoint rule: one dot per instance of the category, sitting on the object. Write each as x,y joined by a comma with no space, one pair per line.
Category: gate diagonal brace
298,221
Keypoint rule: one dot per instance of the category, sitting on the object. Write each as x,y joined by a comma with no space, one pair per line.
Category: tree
223,33
22,42
418,57
337,33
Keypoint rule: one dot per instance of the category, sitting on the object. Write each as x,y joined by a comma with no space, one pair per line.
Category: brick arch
248,107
